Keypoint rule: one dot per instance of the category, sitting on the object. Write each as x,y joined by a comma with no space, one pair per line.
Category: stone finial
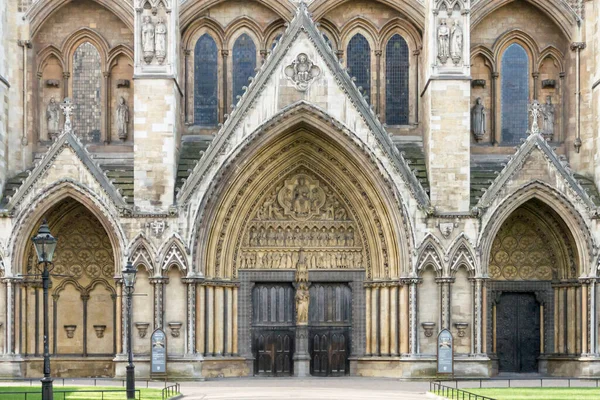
535,109
67,107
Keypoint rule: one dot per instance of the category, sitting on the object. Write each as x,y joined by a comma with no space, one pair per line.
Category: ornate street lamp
45,244
129,281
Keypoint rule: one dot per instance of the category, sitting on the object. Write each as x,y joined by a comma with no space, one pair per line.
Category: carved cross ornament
535,109
67,107
301,72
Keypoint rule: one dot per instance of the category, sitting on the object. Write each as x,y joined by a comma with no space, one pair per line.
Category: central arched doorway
534,294
302,200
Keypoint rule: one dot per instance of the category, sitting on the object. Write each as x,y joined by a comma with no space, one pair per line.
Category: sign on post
158,359
445,352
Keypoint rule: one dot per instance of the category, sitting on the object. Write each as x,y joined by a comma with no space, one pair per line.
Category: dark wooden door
518,332
273,329
330,318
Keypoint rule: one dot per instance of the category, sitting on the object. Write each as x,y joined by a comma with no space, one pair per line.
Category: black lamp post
45,244
129,281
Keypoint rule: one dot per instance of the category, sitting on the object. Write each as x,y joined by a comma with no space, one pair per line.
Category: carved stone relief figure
161,40
302,71
53,117
478,119
456,42
443,41
302,300
148,39
548,111
122,118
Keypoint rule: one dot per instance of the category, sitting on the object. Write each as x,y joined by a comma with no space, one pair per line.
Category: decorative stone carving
142,328
443,41
53,117
548,112
99,330
301,197
302,72
122,118
548,83
175,329
70,329
461,327
123,83
456,42
148,39
478,83
161,40
446,228
428,328
535,109
157,227
55,83
302,302
478,114
67,107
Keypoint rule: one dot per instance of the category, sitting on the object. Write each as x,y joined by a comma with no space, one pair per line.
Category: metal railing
517,381
454,393
62,394
170,391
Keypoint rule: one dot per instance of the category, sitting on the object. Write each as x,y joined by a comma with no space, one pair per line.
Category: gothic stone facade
304,187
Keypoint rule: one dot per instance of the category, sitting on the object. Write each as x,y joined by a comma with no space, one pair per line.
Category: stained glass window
87,89
205,81
396,81
244,63
359,62
515,94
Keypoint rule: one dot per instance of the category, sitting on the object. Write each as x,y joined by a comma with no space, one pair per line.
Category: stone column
394,320
186,78
106,131
412,294
225,94
384,320
191,315
493,114
377,101
404,318
444,285
446,99
592,321
119,316
301,355
200,318
478,320
535,75
66,76
157,101
159,290
375,312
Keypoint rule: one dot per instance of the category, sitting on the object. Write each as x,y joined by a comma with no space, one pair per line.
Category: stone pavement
347,388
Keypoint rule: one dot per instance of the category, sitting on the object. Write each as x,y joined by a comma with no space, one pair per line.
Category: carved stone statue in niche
53,117
148,39
456,42
161,40
478,119
302,71
302,300
548,111
443,41
122,118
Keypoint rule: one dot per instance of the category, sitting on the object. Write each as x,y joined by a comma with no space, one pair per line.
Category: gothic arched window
87,93
515,94
205,81
359,62
244,63
396,81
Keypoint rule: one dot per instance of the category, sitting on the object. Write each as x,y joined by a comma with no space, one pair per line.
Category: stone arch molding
173,253
571,214
431,253
142,252
327,163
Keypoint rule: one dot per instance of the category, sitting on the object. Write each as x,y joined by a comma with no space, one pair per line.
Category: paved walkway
349,388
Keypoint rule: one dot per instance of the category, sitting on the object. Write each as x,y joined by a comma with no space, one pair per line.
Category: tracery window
205,81
87,92
515,94
244,63
359,62
396,85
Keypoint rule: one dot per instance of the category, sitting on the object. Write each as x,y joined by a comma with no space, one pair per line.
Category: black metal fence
62,394
454,393
170,391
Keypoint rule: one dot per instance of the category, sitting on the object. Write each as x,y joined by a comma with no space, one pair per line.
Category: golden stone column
394,320
368,319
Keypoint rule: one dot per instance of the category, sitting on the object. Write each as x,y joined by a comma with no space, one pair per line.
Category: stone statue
478,119
535,109
148,39
53,117
67,107
302,299
456,42
302,71
161,40
443,41
301,197
548,112
122,118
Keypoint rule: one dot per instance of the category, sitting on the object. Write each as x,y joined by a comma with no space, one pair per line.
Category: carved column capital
187,52
495,75
535,74
378,53
578,46
446,279
225,53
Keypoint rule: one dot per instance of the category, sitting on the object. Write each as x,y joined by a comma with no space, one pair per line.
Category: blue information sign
445,352
159,352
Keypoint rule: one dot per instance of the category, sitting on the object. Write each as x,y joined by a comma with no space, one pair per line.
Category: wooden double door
518,332
273,329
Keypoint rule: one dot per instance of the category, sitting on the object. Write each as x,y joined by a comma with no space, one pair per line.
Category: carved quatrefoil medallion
301,197
302,72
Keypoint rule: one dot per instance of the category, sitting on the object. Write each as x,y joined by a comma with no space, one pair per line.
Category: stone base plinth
72,367
421,367
570,366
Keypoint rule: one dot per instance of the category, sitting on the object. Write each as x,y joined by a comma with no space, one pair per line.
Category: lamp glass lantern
44,243
129,275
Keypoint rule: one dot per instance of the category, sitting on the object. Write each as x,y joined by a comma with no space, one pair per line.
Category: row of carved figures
306,237
289,260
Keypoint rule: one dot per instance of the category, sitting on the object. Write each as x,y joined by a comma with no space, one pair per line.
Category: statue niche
301,218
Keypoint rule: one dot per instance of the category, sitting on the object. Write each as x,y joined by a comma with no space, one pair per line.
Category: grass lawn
8,392
550,393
